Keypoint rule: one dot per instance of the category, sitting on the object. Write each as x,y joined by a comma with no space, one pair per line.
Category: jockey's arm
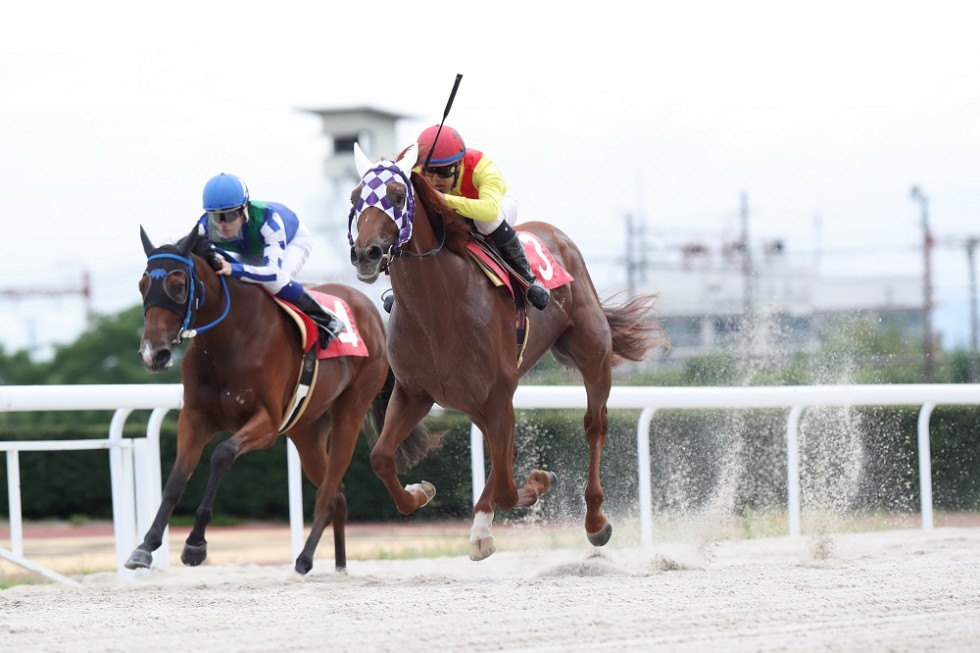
274,235
490,187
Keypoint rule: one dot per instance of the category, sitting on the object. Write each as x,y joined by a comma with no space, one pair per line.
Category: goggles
443,172
225,215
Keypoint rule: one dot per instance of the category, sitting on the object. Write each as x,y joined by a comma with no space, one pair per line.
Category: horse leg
196,546
331,503
189,450
404,412
339,525
597,526
481,539
498,431
538,482
258,433
580,345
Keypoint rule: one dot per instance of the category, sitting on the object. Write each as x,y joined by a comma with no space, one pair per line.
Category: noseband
158,295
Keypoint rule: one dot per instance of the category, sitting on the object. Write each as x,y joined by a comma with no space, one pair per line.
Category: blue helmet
224,192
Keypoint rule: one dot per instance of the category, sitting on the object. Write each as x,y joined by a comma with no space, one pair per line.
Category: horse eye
175,285
354,194
144,284
396,194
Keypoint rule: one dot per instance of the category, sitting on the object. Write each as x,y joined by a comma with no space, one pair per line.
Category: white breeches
508,213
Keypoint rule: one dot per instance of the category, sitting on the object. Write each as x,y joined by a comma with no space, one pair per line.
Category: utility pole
748,301
927,245
971,245
636,253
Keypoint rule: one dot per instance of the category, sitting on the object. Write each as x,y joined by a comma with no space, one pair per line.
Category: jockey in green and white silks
262,242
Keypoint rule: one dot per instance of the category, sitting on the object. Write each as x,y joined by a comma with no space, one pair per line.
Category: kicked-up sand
892,590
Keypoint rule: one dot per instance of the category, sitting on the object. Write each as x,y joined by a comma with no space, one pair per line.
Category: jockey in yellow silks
472,185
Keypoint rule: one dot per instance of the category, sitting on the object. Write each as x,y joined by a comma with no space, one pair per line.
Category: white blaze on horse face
148,353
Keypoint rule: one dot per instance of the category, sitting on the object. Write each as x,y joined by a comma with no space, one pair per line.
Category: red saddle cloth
348,343
539,259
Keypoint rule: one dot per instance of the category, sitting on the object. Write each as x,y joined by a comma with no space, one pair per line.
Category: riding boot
328,324
510,248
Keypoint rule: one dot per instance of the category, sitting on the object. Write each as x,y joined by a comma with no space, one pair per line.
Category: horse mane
441,216
202,248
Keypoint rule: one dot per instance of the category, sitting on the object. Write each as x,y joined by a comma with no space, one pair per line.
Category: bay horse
240,374
451,337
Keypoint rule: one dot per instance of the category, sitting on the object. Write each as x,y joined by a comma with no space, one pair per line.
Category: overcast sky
114,114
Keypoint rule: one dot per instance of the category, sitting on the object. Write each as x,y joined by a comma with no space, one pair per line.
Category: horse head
172,292
383,206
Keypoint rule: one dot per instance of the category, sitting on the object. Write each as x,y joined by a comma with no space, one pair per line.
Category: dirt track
90,547
905,590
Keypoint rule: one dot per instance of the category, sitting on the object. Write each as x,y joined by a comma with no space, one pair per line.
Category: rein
193,302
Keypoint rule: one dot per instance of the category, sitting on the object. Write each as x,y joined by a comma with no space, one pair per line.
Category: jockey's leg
510,248
329,324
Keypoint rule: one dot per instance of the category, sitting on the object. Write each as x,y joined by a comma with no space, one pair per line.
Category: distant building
710,299
372,128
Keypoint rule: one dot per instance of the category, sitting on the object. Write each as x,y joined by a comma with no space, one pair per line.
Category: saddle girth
304,390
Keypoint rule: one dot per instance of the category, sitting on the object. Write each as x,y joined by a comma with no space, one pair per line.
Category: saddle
540,260
348,343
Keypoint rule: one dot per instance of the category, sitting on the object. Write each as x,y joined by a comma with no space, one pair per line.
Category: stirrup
387,301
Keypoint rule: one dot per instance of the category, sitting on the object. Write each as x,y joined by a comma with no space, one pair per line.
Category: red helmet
450,147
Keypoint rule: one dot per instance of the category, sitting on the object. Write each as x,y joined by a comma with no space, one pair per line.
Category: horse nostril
161,357
374,253
353,255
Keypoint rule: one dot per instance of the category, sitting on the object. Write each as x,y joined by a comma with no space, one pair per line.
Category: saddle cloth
539,259
348,343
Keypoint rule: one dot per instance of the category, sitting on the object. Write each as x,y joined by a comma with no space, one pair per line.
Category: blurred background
773,171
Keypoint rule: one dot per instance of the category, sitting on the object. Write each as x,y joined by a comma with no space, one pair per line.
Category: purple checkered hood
374,181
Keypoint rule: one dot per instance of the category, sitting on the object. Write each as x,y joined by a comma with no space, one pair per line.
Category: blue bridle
193,301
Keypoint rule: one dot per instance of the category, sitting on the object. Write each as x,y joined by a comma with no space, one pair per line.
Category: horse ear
361,162
408,159
186,244
147,245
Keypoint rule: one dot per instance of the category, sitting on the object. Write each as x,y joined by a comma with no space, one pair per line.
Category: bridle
159,294
372,189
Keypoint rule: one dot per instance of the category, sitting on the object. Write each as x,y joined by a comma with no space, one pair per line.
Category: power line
83,290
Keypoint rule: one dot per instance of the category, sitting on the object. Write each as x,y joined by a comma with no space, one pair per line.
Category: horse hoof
139,559
482,549
303,565
542,481
423,492
193,555
602,537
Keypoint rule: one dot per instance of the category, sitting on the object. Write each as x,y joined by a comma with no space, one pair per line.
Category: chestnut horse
451,338
240,373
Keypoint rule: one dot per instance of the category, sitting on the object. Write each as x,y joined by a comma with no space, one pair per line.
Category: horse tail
421,442
633,332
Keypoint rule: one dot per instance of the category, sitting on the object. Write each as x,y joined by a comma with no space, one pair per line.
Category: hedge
857,459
